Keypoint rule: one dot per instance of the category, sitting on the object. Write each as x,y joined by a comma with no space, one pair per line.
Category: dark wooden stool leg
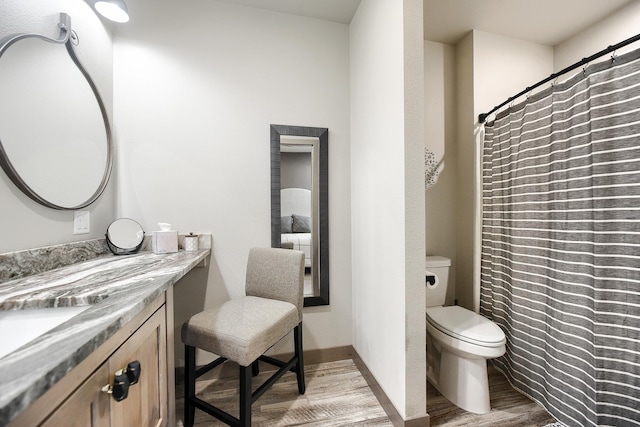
245,396
255,368
297,338
189,385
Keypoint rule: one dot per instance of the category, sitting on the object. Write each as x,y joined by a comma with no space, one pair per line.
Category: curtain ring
584,69
613,57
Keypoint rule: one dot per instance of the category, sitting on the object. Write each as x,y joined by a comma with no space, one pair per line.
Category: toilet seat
465,325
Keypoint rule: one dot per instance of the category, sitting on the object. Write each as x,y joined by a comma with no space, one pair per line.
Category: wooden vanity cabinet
146,404
79,399
87,406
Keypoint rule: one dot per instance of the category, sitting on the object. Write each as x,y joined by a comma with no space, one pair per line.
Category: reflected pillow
286,224
301,224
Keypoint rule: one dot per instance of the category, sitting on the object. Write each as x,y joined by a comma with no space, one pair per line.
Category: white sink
18,327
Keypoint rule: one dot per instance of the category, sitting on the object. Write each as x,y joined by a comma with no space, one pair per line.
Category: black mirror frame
117,250
323,136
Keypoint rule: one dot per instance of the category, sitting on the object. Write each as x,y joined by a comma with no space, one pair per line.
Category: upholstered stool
243,329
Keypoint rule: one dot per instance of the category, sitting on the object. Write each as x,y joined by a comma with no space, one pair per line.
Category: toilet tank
436,280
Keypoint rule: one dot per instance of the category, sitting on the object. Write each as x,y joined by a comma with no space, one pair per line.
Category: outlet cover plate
81,222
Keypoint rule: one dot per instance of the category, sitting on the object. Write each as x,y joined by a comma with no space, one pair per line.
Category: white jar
191,242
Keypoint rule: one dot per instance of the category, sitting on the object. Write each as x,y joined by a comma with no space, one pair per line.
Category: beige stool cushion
241,329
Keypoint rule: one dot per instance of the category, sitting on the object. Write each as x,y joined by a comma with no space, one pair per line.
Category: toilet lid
466,325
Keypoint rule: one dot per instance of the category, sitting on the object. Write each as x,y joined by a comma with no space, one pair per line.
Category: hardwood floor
338,395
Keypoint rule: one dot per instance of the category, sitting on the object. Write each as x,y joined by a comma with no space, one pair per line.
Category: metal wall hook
75,39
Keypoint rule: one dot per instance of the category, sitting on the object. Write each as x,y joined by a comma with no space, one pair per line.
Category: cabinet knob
120,388
133,371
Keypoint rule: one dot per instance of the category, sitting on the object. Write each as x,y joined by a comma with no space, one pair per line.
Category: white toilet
459,342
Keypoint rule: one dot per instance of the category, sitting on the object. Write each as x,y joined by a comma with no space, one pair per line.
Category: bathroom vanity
67,375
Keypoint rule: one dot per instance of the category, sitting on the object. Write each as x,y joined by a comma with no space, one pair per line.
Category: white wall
387,177
197,84
464,192
434,94
440,111
617,27
24,223
491,68
503,66
415,369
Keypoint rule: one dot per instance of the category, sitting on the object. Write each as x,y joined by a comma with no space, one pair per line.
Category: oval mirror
124,236
55,140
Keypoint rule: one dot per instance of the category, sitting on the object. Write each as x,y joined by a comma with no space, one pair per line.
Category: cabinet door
146,404
87,406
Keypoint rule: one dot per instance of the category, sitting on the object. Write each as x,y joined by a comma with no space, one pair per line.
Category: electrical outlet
81,222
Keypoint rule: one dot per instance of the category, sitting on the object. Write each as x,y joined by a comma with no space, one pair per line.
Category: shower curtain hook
584,69
613,57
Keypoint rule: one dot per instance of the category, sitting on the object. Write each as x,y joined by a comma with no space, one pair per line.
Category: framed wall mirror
300,202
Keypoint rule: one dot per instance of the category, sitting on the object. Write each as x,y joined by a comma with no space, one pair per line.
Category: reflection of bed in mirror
295,208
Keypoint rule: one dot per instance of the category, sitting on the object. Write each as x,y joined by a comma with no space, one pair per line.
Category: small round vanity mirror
124,236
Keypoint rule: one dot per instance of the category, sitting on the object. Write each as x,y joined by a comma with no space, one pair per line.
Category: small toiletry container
191,242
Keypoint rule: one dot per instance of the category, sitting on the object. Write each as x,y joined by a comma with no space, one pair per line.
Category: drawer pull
133,372
120,389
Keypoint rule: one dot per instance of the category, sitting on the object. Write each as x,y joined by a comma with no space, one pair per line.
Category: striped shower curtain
560,259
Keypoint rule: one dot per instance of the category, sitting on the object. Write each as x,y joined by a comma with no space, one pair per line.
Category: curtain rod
483,117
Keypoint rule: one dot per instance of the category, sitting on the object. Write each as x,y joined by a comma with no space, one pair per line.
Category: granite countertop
116,288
